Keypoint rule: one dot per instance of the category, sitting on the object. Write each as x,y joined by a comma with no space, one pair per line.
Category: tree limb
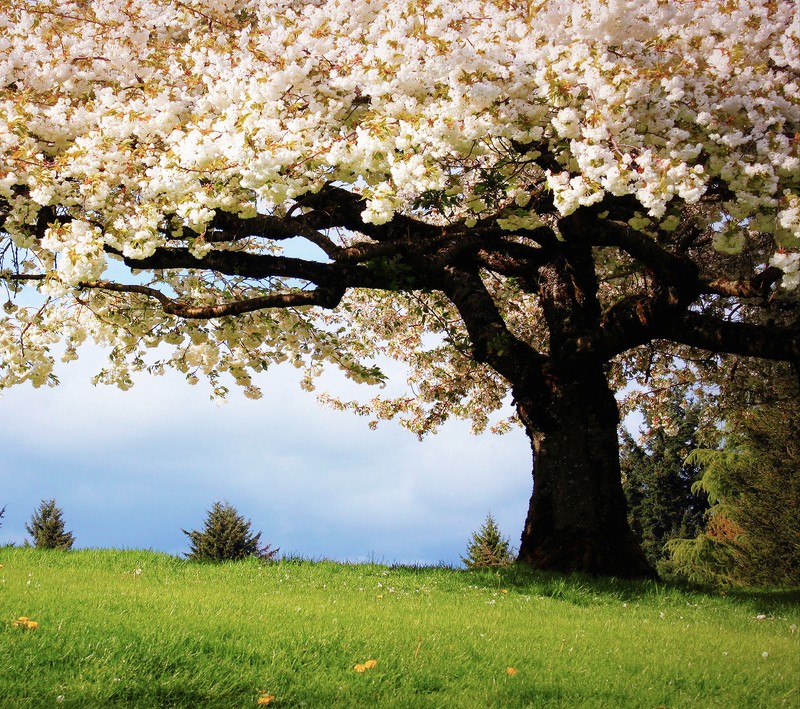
229,227
758,286
234,263
711,333
326,298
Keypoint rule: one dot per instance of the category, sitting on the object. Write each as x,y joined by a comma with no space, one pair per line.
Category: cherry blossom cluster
129,124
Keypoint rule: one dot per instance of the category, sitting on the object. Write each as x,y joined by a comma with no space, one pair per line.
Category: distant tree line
659,481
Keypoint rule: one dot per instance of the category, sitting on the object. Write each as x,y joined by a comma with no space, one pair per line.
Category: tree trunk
577,519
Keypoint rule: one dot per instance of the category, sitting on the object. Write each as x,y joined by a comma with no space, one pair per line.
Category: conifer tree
488,548
753,532
47,528
227,536
658,481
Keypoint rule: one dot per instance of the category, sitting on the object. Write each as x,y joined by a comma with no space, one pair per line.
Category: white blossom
126,126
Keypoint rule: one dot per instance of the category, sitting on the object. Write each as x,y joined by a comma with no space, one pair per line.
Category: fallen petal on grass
511,671
265,699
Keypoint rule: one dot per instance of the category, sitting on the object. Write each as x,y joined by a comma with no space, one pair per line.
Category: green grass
142,629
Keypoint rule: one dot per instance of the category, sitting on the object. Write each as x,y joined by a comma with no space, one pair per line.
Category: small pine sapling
488,548
47,528
227,536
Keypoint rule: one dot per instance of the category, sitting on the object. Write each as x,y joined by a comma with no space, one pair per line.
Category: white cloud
130,469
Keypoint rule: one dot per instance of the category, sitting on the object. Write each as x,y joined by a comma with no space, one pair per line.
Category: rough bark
577,518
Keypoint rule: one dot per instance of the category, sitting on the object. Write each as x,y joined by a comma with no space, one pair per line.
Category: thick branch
22,276
234,263
716,335
544,159
513,260
667,267
632,322
322,297
491,340
229,227
334,206
758,286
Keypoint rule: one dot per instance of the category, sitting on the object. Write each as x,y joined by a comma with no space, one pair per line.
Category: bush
47,528
488,548
227,536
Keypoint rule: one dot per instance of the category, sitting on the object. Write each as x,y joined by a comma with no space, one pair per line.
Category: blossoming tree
512,196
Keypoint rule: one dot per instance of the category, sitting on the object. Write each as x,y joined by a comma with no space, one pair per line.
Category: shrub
227,536
488,548
47,528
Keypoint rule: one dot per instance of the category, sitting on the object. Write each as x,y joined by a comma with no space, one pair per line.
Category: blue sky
131,469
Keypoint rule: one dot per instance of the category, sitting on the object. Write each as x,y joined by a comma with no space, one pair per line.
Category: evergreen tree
658,481
47,528
488,548
753,532
227,536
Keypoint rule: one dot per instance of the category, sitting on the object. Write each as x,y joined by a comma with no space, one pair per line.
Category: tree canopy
526,197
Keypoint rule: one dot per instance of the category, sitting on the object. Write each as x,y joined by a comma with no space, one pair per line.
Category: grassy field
141,629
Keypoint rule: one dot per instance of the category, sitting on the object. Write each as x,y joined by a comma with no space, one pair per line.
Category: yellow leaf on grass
24,622
363,667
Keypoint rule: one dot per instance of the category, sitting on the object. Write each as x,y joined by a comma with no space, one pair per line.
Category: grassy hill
142,629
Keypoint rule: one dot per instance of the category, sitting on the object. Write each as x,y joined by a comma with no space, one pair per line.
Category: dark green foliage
658,481
753,532
488,548
47,528
227,537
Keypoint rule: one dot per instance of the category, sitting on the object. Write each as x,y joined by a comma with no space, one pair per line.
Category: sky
133,469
